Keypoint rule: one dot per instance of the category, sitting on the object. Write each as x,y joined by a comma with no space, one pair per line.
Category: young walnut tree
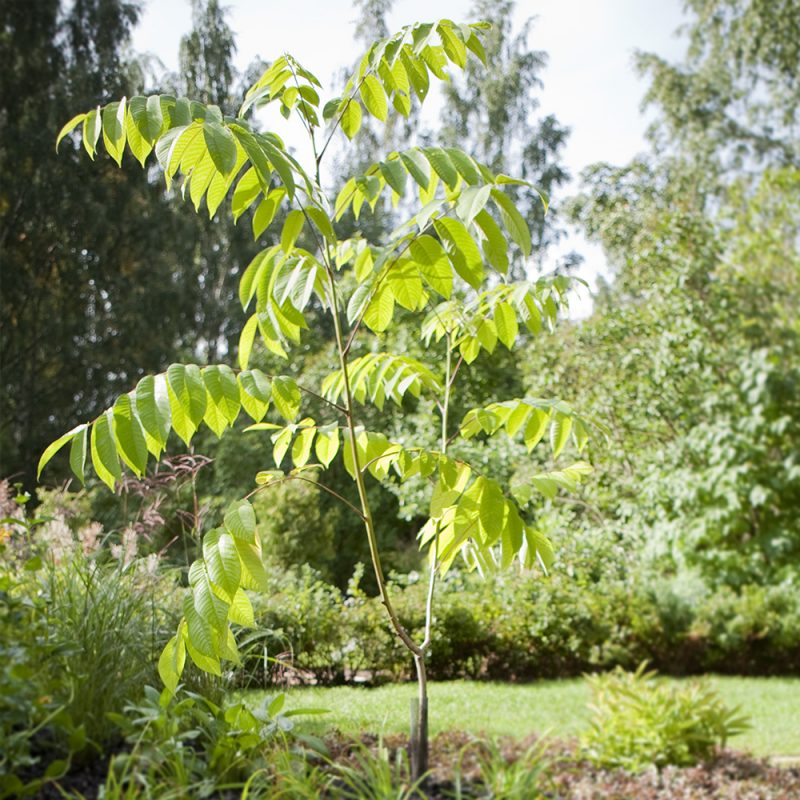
447,262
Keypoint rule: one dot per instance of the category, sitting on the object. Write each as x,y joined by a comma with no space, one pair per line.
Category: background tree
72,309
84,262
691,352
732,105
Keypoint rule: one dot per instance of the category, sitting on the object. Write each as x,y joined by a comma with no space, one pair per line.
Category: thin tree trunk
418,743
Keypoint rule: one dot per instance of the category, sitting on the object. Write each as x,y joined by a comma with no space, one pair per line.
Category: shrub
515,627
638,721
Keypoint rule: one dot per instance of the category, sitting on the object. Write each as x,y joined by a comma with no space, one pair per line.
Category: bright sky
589,83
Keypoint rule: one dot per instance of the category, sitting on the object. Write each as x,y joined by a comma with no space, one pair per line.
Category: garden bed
459,759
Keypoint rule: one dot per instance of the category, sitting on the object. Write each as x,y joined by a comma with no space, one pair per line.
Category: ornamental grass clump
638,721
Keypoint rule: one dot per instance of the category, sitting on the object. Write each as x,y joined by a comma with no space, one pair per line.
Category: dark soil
565,776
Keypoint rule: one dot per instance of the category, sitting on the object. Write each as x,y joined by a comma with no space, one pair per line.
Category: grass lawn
558,707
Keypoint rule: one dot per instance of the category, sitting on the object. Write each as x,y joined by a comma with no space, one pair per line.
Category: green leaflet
114,130
442,165
286,397
461,250
92,128
53,448
536,427
129,435
505,321
241,609
240,522
495,246
465,165
104,450
77,453
222,562
471,202
327,443
301,448
281,441
351,118
380,310
254,576
559,432
136,143
539,546
406,285
374,98
187,399
291,229
433,265
417,167
152,407
69,127
222,398
394,174
246,340
201,637
212,608
514,221
171,662
322,223
255,393
247,190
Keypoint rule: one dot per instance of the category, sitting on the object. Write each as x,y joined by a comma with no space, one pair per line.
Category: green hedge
513,627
